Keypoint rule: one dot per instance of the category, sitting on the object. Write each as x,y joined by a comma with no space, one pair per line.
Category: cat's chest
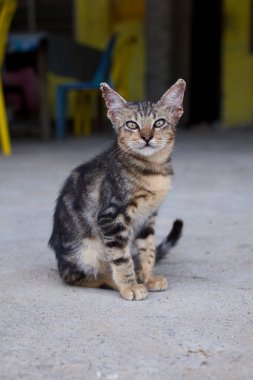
150,193
156,186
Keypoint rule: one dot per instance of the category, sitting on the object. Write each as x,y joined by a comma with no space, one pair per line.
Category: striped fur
109,205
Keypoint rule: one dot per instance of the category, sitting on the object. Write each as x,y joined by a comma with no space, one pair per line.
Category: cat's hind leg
72,275
84,266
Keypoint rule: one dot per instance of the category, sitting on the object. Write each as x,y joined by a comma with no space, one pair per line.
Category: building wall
237,64
92,22
96,21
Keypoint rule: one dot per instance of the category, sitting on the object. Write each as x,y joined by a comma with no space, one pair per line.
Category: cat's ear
173,99
114,102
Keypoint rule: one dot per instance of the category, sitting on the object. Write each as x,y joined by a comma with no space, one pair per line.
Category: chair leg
4,130
60,113
77,119
83,114
87,113
77,125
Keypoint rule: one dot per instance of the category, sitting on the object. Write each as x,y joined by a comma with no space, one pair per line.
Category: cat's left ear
114,102
173,99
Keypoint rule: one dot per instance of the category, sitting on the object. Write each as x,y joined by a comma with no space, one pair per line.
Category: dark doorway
205,75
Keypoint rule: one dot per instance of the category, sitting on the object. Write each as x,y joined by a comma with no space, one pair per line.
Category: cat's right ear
114,102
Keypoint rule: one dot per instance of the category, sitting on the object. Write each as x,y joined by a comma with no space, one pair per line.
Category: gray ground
201,328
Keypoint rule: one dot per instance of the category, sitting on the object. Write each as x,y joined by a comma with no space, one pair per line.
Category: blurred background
58,51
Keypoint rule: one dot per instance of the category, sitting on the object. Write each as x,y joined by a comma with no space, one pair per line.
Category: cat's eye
132,125
159,123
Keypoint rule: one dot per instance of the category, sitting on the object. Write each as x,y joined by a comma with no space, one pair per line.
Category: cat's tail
170,241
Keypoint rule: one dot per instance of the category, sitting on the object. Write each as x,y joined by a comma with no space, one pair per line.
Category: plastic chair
7,10
102,74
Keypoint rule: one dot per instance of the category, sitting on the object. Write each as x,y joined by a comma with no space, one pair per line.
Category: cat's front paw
157,284
143,276
134,292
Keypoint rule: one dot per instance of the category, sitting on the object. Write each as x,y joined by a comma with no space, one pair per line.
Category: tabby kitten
107,207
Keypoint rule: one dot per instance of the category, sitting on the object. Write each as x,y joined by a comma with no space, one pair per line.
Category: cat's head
145,128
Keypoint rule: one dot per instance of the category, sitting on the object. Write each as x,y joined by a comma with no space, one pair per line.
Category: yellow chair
7,10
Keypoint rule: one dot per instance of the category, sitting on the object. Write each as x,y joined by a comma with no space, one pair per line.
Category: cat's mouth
148,145
147,149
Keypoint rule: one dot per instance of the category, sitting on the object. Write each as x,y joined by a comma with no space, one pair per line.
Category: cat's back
79,195
78,199
86,176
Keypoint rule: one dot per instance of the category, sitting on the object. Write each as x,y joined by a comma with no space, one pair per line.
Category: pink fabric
27,80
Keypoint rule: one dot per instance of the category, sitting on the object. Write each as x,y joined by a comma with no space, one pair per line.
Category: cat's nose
146,138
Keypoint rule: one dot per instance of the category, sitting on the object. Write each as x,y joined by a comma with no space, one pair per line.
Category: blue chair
102,74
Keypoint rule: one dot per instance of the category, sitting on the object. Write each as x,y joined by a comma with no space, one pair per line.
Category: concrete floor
201,328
